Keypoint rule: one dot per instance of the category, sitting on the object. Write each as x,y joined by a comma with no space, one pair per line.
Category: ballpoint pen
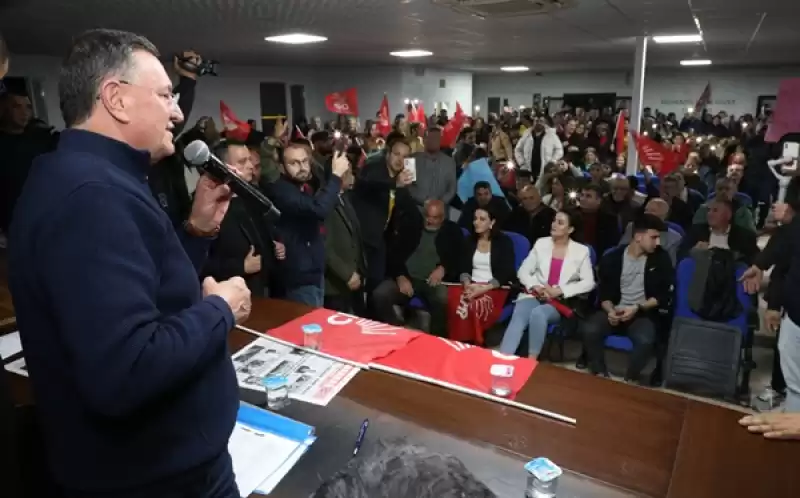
360,439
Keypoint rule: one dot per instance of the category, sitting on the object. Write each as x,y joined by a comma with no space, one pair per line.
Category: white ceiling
594,34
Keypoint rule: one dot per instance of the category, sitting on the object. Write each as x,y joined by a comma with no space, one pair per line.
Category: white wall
733,90
239,87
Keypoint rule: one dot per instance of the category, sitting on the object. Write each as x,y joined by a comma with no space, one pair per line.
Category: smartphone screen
791,149
410,164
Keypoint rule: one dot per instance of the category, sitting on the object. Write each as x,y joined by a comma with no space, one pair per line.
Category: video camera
205,66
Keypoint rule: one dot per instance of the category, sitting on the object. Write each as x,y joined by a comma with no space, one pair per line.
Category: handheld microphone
198,154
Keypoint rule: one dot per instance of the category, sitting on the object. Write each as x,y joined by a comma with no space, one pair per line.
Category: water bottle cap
275,381
312,328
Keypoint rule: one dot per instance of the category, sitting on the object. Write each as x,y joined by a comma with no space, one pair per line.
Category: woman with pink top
557,268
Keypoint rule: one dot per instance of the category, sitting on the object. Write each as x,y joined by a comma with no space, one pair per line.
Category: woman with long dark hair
557,269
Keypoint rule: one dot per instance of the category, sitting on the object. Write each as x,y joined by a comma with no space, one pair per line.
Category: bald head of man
657,207
434,214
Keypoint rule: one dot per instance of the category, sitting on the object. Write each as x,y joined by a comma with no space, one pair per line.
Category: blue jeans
532,315
311,295
789,347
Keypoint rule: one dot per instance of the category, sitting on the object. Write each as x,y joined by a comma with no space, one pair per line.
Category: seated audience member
423,254
300,225
399,470
415,139
345,261
487,260
436,172
601,230
634,282
670,239
718,232
559,193
482,198
557,268
691,175
521,179
597,177
726,190
619,201
531,218
679,212
638,198
245,245
736,172
691,197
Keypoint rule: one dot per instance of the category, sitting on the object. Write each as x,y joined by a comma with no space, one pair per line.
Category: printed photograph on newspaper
312,379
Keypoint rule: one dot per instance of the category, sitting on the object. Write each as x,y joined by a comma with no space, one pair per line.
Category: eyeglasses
168,97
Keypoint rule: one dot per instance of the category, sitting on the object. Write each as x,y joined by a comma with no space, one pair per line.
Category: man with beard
300,226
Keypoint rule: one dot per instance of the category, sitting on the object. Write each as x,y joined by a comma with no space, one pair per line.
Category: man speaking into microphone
126,350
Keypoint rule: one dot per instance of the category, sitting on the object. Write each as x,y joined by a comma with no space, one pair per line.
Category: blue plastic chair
464,231
522,247
696,193
619,342
674,226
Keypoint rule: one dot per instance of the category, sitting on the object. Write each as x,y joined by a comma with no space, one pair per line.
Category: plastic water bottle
542,478
277,388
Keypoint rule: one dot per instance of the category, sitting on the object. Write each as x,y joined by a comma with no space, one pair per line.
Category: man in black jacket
635,282
379,195
422,255
345,263
300,226
601,229
679,211
719,232
530,218
245,246
482,197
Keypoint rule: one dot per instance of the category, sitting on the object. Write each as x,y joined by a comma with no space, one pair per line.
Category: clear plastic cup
277,389
542,478
501,380
312,336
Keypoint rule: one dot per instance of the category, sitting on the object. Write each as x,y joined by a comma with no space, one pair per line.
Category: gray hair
401,470
94,56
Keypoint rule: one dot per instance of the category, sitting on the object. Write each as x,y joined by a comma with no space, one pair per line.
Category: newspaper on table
312,378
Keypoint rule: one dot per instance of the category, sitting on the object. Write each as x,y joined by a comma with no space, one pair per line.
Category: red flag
458,363
232,127
347,336
619,134
345,102
704,99
298,133
418,116
453,128
651,153
468,320
384,124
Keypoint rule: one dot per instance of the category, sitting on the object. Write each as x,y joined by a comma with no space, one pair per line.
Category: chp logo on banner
468,319
651,153
345,102
347,336
457,363
233,127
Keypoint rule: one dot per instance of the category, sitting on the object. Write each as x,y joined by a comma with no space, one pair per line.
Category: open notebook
264,447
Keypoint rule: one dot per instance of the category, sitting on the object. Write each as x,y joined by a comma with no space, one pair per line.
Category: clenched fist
234,292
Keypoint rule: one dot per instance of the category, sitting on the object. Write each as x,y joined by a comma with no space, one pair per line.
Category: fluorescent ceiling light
515,69
696,62
678,38
411,53
296,39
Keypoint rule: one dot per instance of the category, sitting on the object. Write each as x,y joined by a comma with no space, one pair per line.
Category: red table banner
457,363
346,336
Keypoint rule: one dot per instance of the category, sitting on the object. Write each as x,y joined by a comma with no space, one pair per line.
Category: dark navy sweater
128,362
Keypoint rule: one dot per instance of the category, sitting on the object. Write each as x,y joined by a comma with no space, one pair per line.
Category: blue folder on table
264,447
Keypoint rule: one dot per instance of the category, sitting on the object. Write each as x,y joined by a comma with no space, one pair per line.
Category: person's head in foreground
400,470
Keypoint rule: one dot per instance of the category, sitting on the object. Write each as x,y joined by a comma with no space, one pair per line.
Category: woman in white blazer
556,268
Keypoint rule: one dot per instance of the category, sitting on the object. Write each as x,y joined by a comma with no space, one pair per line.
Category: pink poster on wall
786,115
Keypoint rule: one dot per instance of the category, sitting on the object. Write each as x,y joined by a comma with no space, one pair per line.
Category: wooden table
641,440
